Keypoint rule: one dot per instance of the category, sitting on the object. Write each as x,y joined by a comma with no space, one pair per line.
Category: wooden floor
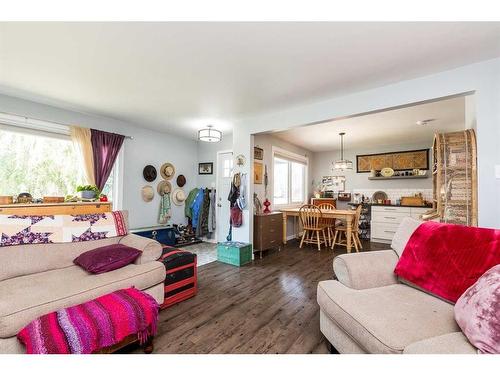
268,306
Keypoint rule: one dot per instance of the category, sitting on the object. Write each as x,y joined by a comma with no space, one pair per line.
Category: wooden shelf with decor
66,208
398,177
454,177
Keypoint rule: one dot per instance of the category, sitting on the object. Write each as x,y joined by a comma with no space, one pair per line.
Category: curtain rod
26,118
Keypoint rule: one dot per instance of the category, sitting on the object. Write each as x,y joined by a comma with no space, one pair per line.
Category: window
227,167
289,179
42,164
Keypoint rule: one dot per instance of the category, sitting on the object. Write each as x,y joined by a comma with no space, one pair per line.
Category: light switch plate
497,171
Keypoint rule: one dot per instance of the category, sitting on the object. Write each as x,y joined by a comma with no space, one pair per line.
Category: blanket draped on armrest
446,259
93,325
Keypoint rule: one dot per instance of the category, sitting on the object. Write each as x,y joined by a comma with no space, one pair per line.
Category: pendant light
209,134
342,164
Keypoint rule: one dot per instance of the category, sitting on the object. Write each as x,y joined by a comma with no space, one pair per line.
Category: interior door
224,176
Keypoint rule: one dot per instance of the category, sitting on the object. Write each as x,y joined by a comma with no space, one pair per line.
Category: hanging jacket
202,228
241,200
197,206
235,190
211,212
189,201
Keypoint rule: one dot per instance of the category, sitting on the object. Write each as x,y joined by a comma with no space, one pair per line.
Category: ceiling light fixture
342,164
209,134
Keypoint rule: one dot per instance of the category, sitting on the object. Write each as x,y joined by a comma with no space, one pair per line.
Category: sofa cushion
477,312
25,298
451,343
403,234
18,260
386,319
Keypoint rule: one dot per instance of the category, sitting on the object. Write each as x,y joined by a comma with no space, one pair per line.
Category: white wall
483,78
147,147
322,166
266,142
207,152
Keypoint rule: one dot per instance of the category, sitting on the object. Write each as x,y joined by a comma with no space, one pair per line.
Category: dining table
346,215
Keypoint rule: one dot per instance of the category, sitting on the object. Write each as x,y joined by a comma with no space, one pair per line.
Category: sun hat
178,196
149,173
147,193
164,187
181,180
167,171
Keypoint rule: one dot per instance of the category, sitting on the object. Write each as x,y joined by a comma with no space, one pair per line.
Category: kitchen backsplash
394,194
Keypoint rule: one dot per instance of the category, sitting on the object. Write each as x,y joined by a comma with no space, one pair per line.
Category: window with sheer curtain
289,179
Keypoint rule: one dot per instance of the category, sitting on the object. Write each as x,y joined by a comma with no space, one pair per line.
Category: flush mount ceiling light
342,164
209,134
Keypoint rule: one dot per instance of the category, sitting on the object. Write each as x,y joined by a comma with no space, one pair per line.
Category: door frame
217,188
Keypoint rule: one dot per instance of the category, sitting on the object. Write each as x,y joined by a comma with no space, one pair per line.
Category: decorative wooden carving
454,178
399,161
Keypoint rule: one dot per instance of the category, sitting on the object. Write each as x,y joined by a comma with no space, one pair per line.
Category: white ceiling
178,77
387,128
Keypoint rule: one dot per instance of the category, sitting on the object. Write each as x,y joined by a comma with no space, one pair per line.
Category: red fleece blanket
93,325
446,259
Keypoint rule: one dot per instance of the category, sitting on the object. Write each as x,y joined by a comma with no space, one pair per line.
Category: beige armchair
368,310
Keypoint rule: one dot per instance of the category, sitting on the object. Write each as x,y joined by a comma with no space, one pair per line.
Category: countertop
390,205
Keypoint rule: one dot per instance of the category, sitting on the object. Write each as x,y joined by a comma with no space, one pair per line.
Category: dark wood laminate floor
268,306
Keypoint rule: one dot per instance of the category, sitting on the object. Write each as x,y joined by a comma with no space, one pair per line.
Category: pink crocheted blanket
93,325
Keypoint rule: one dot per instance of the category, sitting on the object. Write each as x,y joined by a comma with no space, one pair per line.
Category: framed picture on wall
258,173
258,153
206,168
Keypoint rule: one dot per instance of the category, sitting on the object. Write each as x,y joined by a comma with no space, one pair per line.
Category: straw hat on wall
164,187
178,197
167,171
147,193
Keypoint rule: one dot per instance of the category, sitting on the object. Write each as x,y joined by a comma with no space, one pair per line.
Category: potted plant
88,191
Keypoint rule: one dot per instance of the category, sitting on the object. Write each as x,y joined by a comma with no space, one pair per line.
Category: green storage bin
235,253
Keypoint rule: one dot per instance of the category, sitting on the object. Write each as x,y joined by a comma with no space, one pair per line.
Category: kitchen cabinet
386,219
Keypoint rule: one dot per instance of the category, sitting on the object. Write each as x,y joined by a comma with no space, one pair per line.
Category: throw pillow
107,258
477,312
403,234
446,259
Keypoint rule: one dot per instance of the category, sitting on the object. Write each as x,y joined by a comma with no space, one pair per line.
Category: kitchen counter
397,205
388,205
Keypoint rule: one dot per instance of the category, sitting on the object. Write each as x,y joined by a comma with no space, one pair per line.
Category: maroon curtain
105,148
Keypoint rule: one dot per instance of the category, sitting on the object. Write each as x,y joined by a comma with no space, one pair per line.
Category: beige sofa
368,310
38,279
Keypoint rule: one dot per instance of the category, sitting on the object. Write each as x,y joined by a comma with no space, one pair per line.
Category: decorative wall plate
387,172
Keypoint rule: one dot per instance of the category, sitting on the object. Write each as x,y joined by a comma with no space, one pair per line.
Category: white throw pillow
403,234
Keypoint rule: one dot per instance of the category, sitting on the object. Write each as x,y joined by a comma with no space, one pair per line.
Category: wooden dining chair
329,223
341,230
311,219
